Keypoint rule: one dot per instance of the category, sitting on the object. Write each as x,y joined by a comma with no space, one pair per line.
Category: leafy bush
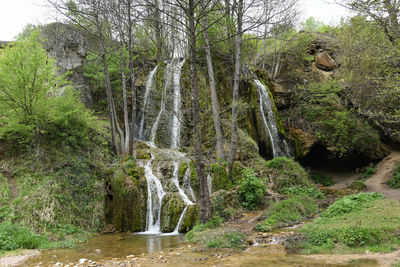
349,204
13,236
36,105
286,173
299,190
394,181
322,179
251,190
286,212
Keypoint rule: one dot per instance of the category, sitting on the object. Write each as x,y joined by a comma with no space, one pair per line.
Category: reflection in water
109,246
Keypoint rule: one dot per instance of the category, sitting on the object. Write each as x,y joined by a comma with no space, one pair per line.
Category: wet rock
82,261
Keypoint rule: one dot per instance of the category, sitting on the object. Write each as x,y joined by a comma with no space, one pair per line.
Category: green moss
190,219
322,179
357,185
286,173
140,154
172,208
220,178
125,205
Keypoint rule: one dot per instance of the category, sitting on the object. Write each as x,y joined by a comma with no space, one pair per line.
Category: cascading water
149,87
168,79
279,145
176,124
155,190
155,194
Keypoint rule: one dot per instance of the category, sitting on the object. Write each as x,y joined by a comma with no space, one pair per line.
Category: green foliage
370,64
251,190
313,25
333,125
14,236
286,173
286,212
349,204
369,171
394,181
322,179
300,190
36,105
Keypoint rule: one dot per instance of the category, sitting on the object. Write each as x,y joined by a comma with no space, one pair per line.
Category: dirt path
377,182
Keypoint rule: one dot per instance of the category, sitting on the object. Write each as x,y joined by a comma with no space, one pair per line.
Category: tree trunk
132,80
214,98
205,203
236,82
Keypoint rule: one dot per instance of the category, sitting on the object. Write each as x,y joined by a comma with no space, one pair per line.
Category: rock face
69,47
325,62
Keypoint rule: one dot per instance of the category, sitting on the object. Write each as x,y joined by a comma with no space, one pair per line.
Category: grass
361,223
286,212
212,235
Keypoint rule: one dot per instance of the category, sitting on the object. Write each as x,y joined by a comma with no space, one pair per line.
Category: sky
15,14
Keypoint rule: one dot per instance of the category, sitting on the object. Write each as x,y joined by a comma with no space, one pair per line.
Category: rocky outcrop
324,61
69,46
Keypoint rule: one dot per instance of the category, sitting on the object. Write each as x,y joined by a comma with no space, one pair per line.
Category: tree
383,12
35,102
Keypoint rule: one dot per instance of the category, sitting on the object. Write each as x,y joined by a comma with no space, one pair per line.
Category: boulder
325,62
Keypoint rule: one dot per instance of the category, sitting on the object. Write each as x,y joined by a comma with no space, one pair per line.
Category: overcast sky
15,14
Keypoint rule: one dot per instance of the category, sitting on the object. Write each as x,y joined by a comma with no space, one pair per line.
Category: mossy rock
357,185
141,145
220,178
285,172
140,154
190,219
224,203
172,208
125,204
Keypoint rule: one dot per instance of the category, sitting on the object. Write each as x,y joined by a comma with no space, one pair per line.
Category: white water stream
279,145
149,87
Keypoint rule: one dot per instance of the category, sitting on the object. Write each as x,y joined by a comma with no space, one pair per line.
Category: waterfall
155,194
149,87
176,182
176,123
168,79
279,145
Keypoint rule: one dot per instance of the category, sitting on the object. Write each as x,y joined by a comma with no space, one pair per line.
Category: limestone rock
325,62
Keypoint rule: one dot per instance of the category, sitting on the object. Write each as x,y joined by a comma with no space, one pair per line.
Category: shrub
394,181
299,190
251,190
322,179
349,204
13,236
286,212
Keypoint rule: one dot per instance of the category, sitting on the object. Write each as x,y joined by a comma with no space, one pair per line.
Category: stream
159,250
